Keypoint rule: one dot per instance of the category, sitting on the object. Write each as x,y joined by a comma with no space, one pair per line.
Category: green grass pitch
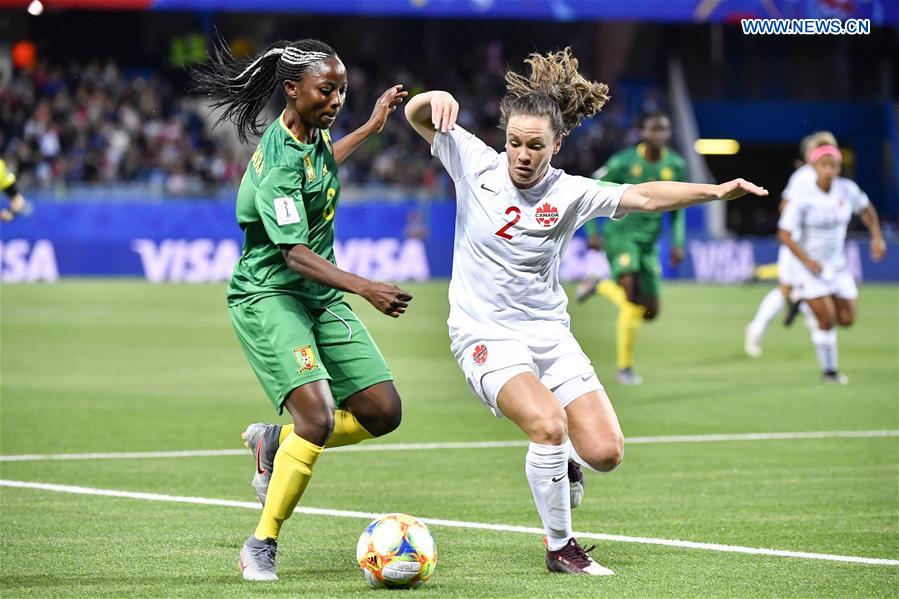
122,366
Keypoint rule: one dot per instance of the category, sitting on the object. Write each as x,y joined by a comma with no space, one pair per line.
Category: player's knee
845,319
386,420
605,455
315,425
549,430
650,313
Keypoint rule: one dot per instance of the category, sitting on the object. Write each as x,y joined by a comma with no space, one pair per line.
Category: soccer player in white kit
822,278
802,179
508,324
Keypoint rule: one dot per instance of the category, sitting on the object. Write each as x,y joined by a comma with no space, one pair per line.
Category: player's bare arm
431,112
386,104
661,196
870,220
388,299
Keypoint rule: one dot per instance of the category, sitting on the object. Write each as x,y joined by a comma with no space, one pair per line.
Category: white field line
450,445
454,523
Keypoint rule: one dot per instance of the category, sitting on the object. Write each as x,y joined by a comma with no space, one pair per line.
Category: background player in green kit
312,355
631,244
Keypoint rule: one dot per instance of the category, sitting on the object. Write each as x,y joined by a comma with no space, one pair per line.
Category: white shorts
562,367
832,281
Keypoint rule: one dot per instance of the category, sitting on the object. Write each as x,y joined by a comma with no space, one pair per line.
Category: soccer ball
396,551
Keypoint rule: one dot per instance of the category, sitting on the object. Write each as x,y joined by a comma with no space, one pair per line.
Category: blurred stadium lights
36,8
726,147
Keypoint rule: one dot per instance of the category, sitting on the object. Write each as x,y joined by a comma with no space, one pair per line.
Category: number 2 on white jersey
510,210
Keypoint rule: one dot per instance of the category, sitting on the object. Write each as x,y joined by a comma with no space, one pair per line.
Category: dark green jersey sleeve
279,202
615,169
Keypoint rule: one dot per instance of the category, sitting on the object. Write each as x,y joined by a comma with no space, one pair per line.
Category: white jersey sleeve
461,152
791,217
858,199
597,198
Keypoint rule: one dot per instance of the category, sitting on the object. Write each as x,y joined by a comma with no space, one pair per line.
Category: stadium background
129,185
128,179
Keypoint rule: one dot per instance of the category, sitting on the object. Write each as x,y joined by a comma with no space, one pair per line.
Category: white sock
573,455
546,467
771,305
811,321
826,348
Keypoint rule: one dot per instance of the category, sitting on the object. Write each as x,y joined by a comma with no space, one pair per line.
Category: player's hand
391,98
444,110
878,249
737,188
388,299
677,256
594,242
6,215
814,266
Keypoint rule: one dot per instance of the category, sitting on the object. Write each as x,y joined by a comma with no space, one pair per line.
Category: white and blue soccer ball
396,551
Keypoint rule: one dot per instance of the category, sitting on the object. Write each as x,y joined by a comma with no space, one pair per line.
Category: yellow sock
630,317
347,430
290,475
613,291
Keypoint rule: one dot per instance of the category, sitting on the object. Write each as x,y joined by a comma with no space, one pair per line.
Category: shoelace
577,554
266,552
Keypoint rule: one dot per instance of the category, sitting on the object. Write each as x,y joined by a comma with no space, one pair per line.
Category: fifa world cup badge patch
480,354
624,260
286,211
305,358
547,215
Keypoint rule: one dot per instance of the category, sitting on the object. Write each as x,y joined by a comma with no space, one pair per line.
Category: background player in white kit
819,219
800,182
508,324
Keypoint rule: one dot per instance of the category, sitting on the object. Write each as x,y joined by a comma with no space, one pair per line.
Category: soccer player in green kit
631,244
311,354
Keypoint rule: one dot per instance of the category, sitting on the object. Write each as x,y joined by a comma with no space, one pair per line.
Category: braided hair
554,89
243,88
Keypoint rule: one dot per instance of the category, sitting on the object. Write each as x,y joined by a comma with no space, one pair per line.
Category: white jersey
820,219
509,243
802,179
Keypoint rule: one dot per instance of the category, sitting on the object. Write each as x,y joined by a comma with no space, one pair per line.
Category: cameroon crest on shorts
305,358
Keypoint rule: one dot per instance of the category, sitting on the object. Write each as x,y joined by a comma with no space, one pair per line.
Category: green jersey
287,196
630,166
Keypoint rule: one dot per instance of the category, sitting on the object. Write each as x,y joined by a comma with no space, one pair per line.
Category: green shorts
627,256
289,345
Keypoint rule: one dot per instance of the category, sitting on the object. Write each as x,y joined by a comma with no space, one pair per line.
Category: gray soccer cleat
257,559
835,378
627,376
262,439
575,483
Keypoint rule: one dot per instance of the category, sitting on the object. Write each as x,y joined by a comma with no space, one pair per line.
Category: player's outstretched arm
388,299
432,111
387,103
661,196
870,220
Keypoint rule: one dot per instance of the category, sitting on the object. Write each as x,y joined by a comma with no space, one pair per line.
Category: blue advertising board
397,241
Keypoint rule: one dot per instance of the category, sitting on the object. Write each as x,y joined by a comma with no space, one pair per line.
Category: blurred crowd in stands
82,124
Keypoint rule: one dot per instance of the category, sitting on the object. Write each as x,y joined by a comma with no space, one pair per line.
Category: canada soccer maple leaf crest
480,354
547,215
